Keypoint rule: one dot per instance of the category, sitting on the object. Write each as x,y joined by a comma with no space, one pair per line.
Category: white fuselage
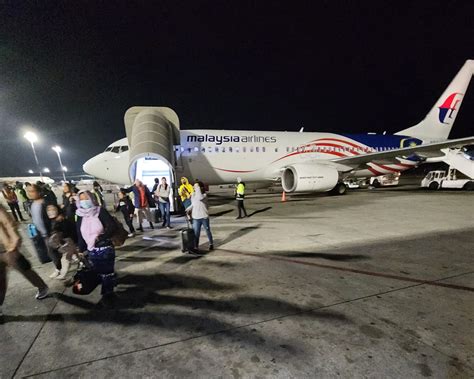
218,157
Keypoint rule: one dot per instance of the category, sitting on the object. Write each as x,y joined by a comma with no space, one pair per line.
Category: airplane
303,161
25,179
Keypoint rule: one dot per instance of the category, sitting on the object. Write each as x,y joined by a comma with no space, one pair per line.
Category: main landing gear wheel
376,184
433,186
339,190
469,186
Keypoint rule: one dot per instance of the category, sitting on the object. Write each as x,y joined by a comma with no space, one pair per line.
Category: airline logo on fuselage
219,140
447,109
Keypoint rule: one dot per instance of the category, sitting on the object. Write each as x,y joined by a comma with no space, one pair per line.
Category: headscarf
83,212
91,226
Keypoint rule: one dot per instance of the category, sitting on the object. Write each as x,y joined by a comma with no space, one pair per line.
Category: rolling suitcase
187,240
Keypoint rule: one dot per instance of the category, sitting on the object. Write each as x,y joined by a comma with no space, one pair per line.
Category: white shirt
200,208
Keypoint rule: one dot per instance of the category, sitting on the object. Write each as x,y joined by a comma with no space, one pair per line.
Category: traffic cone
283,197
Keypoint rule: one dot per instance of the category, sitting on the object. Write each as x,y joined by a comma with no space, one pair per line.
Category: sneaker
211,247
55,274
168,227
130,235
42,293
238,218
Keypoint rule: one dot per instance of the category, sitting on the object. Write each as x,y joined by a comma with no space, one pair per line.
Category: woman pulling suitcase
95,227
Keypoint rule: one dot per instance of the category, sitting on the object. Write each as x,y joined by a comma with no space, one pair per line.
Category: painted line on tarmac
353,270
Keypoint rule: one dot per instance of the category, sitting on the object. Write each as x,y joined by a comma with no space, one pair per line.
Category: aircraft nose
90,167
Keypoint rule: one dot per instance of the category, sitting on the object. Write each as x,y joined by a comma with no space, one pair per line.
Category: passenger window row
222,149
289,149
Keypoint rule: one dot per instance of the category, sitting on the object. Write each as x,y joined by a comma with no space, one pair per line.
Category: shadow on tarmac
221,213
189,314
259,211
236,234
331,257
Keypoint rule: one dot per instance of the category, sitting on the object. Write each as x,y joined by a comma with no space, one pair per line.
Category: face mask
86,204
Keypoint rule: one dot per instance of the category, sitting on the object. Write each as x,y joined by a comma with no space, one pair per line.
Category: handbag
85,281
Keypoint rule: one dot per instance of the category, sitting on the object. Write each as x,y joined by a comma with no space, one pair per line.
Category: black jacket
125,205
110,227
66,227
69,207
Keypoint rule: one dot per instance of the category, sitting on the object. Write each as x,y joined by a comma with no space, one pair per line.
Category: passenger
43,225
69,201
200,215
10,255
143,201
162,193
98,193
239,196
46,192
12,201
125,205
95,227
21,195
63,238
185,191
155,186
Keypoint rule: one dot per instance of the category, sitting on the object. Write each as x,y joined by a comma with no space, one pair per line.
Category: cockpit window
123,148
108,149
115,149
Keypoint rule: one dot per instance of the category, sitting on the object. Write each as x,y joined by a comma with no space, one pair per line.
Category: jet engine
309,178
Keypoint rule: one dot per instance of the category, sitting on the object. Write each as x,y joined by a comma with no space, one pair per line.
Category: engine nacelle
309,178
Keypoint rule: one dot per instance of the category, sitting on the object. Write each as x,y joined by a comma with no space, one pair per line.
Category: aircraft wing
423,151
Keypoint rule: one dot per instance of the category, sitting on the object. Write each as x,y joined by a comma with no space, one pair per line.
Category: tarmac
376,283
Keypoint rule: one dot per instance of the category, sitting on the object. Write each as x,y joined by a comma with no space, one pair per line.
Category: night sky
71,69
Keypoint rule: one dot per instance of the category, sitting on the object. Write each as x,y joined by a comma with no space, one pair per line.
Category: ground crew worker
185,191
239,196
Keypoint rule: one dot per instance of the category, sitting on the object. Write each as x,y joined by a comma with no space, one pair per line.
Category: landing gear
339,189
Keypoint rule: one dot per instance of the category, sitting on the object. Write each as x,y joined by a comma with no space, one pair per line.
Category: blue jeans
197,223
103,262
165,213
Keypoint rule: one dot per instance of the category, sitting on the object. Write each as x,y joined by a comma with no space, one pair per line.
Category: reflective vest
240,191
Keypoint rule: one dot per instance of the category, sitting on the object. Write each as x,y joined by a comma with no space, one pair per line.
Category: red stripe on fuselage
340,140
236,171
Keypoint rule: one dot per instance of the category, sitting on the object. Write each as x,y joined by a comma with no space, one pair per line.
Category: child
127,208
63,238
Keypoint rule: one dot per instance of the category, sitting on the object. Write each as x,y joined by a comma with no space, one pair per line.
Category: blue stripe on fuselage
384,141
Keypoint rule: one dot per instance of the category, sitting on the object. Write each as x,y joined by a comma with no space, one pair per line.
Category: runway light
30,172
57,149
46,169
31,137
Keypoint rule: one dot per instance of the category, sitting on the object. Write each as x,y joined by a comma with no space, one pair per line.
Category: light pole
32,138
58,150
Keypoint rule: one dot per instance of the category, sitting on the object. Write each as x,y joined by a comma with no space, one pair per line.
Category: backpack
120,235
